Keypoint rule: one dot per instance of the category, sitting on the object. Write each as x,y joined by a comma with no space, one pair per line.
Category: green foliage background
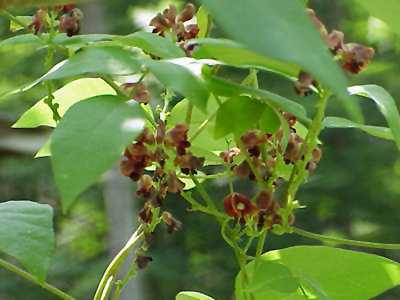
355,193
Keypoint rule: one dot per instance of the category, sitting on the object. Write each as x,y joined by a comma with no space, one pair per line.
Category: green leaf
110,60
388,13
237,115
79,41
234,54
203,21
152,43
380,132
180,80
26,20
23,39
41,115
228,88
322,272
281,30
44,151
26,233
385,103
192,296
90,139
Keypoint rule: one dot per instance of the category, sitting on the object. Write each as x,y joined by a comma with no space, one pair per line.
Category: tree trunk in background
118,191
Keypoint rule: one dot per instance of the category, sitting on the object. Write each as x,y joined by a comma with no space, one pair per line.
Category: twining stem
113,268
48,287
300,172
324,238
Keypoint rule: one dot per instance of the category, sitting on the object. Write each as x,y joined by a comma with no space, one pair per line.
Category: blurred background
355,192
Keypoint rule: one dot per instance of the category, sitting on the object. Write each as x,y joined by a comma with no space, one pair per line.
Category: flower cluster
168,151
170,23
263,152
68,19
353,57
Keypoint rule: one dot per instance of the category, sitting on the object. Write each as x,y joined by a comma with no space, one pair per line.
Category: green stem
202,126
324,238
52,289
189,113
204,177
299,172
116,263
9,16
203,193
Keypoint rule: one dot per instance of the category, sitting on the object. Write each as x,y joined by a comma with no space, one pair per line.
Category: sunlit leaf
320,273
41,115
192,296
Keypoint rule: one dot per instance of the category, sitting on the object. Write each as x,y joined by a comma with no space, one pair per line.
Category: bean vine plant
206,127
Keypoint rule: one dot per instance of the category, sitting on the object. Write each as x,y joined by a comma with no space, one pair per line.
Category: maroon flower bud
316,155
189,163
170,14
191,32
39,21
238,206
138,92
69,25
145,214
146,137
161,23
187,13
242,170
291,118
177,135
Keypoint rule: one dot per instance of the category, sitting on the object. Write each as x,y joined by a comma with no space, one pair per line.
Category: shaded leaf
281,30
110,60
152,43
90,139
26,233
234,54
22,39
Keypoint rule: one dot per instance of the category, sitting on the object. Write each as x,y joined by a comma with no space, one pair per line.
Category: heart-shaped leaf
90,139
26,233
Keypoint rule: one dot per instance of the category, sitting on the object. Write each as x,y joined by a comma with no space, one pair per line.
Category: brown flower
238,206
335,41
228,155
187,13
137,91
175,185
172,223
145,186
146,214
189,163
355,57
304,83
264,200
142,261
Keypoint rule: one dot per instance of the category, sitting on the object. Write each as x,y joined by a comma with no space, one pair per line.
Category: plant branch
116,263
324,238
29,277
299,172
